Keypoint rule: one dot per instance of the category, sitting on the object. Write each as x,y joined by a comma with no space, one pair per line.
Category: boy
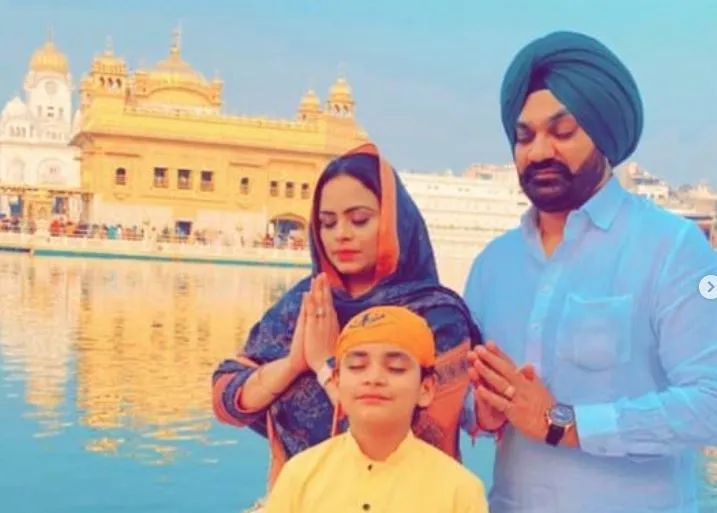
385,358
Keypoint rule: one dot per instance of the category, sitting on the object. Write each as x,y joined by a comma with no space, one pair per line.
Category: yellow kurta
336,477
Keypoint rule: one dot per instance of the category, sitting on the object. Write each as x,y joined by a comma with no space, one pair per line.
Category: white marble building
35,134
642,183
464,213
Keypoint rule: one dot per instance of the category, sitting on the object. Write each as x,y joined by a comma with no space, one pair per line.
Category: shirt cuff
598,430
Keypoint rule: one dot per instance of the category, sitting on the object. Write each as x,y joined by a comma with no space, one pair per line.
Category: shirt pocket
595,333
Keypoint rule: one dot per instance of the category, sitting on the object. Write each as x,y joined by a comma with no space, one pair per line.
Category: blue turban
586,77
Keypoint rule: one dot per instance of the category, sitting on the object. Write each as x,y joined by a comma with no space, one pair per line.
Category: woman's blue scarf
413,284
406,276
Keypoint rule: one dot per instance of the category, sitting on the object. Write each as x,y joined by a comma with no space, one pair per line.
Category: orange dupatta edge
388,246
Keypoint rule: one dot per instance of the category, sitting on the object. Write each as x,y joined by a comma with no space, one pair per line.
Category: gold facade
156,141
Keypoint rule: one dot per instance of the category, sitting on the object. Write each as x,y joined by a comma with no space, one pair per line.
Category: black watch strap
555,434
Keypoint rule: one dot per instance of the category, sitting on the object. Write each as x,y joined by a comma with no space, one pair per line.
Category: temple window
120,176
289,189
273,188
244,185
52,175
305,191
207,181
60,112
184,179
50,112
160,178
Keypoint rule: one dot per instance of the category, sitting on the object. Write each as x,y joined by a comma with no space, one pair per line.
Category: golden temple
157,149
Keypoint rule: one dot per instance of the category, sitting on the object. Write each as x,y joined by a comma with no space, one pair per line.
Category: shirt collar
601,209
399,454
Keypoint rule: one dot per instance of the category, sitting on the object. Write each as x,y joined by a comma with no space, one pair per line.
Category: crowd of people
60,226
17,224
580,344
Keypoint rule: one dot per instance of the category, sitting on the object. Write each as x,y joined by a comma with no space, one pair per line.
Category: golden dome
310,100
49,58
108,57
340,87
175,69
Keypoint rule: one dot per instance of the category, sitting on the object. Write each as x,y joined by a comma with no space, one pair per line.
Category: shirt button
370,467
366,506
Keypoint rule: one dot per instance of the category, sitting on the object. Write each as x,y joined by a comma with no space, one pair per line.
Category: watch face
50,87
562,415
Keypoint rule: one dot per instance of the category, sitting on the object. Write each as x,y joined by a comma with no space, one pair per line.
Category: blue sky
425,74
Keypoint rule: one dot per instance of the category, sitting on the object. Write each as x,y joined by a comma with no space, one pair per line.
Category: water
104,385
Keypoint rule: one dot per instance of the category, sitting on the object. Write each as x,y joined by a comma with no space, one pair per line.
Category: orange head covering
395,325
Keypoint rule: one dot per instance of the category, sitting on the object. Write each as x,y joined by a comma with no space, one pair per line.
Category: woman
370,246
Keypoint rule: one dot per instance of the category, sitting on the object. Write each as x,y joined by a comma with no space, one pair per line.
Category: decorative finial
50,35
109,49
342,70
177,38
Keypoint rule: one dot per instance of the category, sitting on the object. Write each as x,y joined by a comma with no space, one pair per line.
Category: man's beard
561,190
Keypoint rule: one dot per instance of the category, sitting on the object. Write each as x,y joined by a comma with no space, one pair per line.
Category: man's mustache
536,168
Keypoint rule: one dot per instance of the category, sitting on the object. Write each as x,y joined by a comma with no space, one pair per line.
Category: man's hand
488,418
517,393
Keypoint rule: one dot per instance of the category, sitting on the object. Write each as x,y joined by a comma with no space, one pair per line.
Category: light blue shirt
615,325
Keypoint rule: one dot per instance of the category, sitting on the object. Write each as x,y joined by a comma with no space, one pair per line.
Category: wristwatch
561,417
326,372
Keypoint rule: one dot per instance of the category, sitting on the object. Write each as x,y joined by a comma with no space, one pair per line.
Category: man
595,297
385,358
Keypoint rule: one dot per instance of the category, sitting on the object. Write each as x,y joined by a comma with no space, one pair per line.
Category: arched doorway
288,229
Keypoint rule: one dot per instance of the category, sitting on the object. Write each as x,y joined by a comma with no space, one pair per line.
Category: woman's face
348,226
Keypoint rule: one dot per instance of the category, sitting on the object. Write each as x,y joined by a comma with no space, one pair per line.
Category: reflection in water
139,339
126,349
38,306
122,352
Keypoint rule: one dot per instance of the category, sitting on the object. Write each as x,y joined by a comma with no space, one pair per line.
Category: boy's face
381,384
